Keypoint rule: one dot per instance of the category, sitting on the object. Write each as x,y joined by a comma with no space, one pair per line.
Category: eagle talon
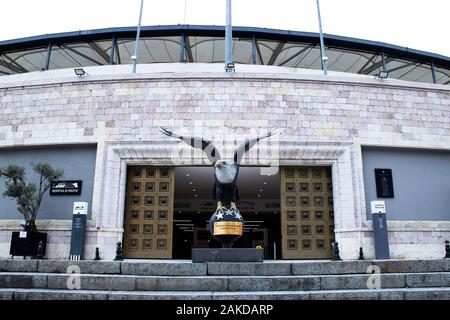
220,207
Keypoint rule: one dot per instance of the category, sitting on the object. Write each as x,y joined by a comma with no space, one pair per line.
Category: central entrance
289,214
193,207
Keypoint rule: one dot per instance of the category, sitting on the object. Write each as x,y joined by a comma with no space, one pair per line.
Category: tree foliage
29,195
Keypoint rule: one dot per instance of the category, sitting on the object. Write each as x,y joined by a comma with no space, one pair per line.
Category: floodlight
80,72
230,67
383,74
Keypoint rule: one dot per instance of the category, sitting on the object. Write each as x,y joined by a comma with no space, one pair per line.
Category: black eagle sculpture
225,191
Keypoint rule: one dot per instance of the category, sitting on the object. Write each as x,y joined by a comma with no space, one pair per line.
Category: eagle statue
225,191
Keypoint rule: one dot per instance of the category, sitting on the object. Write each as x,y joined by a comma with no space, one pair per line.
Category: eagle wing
196,142
248,144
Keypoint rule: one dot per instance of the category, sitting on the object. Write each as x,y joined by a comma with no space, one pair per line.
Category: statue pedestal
227,255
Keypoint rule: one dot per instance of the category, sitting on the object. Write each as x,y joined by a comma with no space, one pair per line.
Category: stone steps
381,294
181,268
222,283
159,280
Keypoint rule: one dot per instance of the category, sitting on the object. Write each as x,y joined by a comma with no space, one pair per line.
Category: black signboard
380,234
66,188
383,180
78,237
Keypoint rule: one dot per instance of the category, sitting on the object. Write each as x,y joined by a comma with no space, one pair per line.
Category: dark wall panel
421,181
78,163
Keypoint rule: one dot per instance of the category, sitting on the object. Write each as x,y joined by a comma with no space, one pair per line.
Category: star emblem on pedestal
229,212
238,215
219,215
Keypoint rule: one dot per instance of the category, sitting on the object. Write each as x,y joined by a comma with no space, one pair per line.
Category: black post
119,254
447,249
97,254
336,256
40,250
361,254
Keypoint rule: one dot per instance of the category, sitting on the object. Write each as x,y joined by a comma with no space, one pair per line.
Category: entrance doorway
193,207
148,212
307,214
167,212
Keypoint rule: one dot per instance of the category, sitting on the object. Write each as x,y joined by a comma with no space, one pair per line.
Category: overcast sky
418,24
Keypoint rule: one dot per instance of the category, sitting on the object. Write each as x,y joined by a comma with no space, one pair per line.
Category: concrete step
187,268
380,294
221,283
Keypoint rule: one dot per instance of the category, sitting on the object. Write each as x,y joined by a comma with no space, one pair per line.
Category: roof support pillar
47,57
254,50
322,45
433,72
229,65
138,34
383,61
113,49
182,47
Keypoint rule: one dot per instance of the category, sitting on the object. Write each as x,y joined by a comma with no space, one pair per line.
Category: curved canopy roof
185,43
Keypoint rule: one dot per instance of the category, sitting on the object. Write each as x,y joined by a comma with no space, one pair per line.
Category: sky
417,24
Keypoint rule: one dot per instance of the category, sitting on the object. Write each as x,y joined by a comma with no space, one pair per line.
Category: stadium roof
185,43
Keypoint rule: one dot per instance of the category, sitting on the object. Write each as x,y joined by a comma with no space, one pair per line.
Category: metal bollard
119,253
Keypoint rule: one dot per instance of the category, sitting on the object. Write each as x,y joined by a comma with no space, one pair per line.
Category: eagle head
219,164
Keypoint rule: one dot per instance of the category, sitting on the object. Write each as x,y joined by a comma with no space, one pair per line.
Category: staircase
164,280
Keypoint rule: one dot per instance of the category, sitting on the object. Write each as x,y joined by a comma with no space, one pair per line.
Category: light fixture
188,175
230,67
190,182
383,74
195,195
80,72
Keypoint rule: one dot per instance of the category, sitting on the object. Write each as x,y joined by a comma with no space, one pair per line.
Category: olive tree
28,195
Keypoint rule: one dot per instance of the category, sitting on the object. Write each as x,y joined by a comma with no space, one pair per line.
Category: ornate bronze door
307,217
149,212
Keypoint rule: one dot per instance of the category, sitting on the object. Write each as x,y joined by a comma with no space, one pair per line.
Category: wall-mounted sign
80,208
378,207
383,180
66,188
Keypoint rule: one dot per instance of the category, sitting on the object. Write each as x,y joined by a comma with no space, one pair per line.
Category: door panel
149,212
307,216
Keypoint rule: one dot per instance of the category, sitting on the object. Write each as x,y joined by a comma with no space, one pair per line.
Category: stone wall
112,107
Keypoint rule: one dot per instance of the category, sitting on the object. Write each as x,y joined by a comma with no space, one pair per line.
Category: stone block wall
310,109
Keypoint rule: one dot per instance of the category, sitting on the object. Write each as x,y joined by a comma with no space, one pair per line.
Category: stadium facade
153,194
